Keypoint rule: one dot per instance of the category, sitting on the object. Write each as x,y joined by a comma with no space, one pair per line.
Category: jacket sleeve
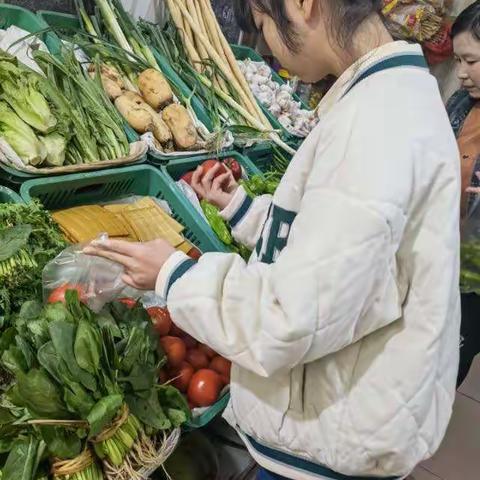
247,216
317,298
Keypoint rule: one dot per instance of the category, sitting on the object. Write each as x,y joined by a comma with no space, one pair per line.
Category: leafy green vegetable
21,137
21,90
87,347
41,395
22,461
21,279
103,413
12,239
56,147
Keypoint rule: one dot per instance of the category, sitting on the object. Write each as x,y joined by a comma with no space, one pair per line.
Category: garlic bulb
278,98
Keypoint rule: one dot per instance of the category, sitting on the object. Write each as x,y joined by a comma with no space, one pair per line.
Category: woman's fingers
125,260
196,181
222,181
207,179
118,246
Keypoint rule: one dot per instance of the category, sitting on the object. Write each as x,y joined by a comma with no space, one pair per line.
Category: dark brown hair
346,18
468,21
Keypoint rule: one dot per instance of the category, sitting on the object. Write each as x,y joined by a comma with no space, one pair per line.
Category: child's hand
219,190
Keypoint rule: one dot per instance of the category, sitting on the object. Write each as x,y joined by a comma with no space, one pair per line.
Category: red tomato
187,178
162,377
208,351
176,331
197,359
204,388
235,167
175,350
221,365
58,295
161,320
190,342
194,253
129,302
207,165
181,376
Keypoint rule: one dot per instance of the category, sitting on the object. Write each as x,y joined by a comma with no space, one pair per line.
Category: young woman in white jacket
343,328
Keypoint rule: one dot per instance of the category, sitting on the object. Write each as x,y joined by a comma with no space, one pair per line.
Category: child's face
467,54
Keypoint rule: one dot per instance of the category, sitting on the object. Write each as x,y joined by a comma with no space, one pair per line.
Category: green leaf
21,462
63,334
177,417
57,311
48,359
78,401
13,239
141,378
149,411
103,413
14,361
61,443
41,396
172,398
87,347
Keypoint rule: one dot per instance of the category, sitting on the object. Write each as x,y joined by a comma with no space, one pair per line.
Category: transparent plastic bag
98,280
470,252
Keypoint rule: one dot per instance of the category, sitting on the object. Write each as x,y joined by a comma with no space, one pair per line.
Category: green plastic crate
107,185
261,154
174,170
9,196
20,17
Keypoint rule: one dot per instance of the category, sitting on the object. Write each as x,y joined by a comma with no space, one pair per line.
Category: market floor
459,455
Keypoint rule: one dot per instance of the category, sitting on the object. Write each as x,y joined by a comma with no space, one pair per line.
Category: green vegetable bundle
87,382
470,266
62,117
29,238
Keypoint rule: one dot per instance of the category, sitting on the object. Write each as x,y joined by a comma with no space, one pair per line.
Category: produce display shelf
107,185
242,53
174,170
27,20
68,22
9,196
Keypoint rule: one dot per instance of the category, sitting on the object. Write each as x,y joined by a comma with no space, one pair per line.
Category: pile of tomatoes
195,369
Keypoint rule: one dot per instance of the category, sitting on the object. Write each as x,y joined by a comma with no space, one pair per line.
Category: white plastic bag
97,280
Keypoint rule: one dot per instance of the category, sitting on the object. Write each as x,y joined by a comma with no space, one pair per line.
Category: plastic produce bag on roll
97,280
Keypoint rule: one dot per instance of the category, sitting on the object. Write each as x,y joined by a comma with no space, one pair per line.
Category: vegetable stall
104,119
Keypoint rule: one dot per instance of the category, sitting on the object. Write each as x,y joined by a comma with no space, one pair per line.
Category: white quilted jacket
344,326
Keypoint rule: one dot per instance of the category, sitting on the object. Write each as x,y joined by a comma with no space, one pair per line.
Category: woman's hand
474,190
142,261
218,191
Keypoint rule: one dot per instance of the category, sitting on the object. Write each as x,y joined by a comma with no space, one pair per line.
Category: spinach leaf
13,239
149,411
63,334
57,311
41,395
26,350
61,443
48,359
103,413
14,361
78,401
141,378
87,347
172,398
22,461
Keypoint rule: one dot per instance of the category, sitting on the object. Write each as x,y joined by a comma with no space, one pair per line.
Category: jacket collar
356,70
